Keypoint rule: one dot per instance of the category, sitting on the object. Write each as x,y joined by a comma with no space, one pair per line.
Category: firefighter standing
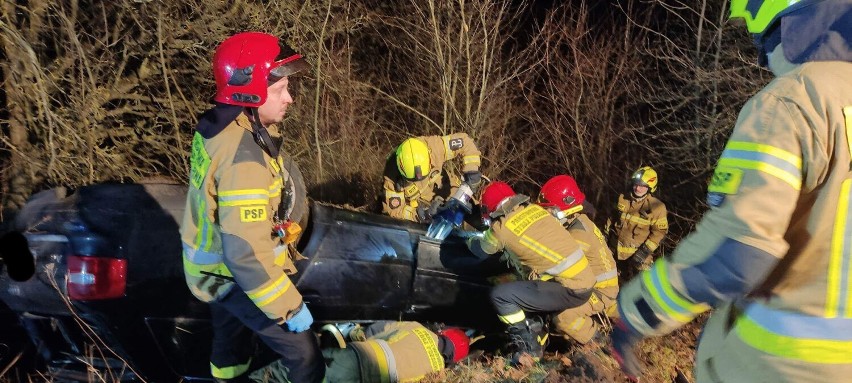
415,181
235,188
535,241
642,222
562,197
773,253
394,352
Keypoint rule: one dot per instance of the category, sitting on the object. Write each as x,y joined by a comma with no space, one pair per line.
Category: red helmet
563,193
460,341
494,194
245,64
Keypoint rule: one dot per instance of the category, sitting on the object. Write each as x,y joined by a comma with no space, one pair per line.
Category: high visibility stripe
656,281
409,213
436,361
847,112
607,283
572,264
796,336
626,249
773,161
837,295
651,245
204,233
200,257
271,292
382,361
540,249
513,318
471,160
229,372
244,197
635,219
606,276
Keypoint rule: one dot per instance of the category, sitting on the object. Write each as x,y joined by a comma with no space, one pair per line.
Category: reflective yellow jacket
782,191
234,192
398,352
600,258
536,239
641,221
402,197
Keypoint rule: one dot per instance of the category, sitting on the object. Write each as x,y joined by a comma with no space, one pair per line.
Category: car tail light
91,278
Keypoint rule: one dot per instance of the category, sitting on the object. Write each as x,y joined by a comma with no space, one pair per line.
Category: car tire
299,209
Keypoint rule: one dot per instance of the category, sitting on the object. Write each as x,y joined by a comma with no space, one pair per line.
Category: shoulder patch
725,180
253,214
199,161
394,202
248,150
455,144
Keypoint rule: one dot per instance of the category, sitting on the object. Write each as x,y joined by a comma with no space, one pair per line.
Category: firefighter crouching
415,181
536,243
393,352
564,200
641,224
231,257
772,255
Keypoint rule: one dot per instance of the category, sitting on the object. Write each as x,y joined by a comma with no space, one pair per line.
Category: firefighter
555,267
772,255
562,197
641,224
231,257
390,351
415,181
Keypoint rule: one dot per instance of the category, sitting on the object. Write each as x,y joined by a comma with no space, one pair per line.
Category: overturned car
109,296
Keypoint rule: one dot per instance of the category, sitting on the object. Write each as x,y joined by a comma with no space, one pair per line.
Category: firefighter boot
526,337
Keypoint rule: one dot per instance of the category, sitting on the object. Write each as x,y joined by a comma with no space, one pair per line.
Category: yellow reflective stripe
229,372
448,152
409,213
607,283
578,267
381,362
773,161
823,351
627,249
243,197
436,361
540,249
847,113
838,299
513,318
270,292
657,283
651,245
471,159
635,219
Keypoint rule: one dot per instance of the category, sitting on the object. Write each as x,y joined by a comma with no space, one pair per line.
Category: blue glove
623,346
301,321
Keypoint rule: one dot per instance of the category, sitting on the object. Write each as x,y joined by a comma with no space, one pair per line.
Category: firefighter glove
624,340
435,206
474,180
301,321
641,254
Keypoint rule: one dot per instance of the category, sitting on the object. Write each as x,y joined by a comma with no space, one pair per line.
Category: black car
108,296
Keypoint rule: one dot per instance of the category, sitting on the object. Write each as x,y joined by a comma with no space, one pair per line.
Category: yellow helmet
759,15
412,159
645,176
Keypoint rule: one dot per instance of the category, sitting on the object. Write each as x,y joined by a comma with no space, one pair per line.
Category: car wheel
298,210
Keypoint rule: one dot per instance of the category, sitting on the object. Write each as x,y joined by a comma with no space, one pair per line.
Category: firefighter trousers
535,296
235,317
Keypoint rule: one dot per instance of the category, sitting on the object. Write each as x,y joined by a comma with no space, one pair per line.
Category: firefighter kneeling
562,197
393,352
558,272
